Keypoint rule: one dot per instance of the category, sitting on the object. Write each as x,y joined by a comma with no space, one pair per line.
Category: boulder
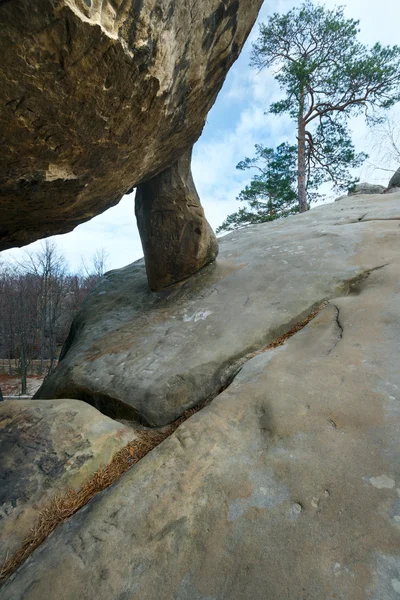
367,188
107,95
286,487
176,237
45,448
395,180
150,356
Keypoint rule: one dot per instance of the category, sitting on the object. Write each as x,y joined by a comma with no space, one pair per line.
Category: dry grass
65,505
282,339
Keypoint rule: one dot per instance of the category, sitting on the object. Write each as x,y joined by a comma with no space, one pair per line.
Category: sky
234,125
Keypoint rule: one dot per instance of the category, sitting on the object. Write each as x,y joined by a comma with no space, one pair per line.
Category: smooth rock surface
285,488
46,447
177,240
133,353
97,97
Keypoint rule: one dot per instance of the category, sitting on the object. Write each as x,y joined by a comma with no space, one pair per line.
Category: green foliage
327,76
316,50
271,193
330,155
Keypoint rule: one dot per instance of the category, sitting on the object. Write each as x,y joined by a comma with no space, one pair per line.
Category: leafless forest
39,297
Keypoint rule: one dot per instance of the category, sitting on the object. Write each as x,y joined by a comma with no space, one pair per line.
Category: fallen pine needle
63,506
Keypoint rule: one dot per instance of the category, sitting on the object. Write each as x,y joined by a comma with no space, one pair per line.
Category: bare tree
7,331
99,261
384,140
38,301
18,301
48,265
94,270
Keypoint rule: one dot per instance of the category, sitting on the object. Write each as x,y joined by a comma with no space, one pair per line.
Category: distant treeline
39,298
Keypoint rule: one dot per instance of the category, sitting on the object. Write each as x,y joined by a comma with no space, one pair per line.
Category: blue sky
235,123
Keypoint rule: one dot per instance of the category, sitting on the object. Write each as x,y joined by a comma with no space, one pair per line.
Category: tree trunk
301,158
24,369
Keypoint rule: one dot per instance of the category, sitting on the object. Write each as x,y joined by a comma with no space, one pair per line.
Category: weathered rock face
151,356
46,447
97,97
395,180
367,188
176,237
287,486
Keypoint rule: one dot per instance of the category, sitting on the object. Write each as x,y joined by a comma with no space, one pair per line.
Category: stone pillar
177,240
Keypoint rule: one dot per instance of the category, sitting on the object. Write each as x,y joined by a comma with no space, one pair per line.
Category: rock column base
177,240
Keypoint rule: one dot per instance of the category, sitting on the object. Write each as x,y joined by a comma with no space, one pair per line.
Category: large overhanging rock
176,237
97,97
131,352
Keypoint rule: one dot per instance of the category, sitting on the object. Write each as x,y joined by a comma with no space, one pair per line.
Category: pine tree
271,193
328,76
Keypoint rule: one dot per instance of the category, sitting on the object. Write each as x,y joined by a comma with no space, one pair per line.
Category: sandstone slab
133,353
46,447
97,97
285,488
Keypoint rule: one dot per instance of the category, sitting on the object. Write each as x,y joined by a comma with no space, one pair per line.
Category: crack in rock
339,327
379,219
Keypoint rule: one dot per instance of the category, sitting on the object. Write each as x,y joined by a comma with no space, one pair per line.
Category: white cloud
114,230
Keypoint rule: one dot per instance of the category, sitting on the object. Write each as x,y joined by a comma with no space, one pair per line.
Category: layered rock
107,94
45,448
287,485
151,356
176,237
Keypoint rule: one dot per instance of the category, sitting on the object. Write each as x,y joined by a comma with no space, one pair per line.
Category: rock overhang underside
108,94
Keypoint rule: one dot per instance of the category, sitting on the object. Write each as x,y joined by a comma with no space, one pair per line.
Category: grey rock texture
97,97
176,237
341,198
133,353
287,486
395,180
46,447
367,188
